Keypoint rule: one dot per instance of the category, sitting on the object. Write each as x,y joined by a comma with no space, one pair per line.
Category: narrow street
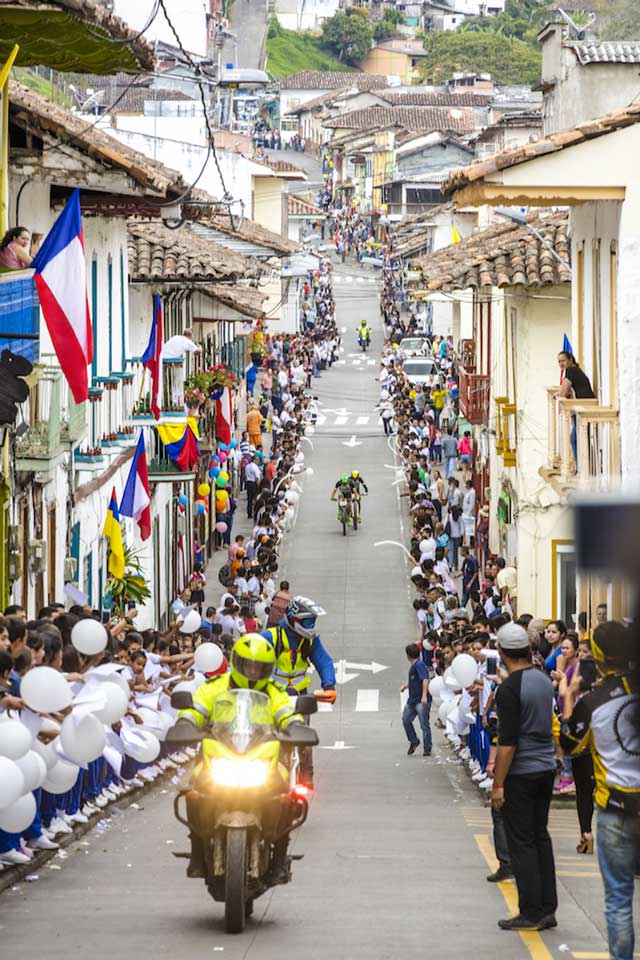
395,848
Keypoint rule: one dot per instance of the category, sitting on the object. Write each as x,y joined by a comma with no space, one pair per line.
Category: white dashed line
367,701
361,421
340,421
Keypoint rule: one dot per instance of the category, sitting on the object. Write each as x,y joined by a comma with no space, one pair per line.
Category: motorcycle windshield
242,718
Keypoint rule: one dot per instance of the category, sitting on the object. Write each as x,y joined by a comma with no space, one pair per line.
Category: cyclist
358,484
344,489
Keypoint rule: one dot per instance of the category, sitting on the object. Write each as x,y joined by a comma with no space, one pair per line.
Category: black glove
184,731
329,686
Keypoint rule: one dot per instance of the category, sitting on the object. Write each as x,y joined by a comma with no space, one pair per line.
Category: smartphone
492,666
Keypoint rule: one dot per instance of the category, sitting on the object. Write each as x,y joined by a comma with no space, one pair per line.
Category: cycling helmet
252,661
344,478
355,474
301,616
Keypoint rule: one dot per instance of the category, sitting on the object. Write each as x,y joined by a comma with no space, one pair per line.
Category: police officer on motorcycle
297,645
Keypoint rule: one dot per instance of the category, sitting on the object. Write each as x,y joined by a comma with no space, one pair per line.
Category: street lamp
517,216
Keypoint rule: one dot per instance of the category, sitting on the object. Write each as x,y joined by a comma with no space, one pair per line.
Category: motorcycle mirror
181,700
184,732
306,705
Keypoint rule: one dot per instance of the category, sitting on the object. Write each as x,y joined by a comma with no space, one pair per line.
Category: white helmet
301,616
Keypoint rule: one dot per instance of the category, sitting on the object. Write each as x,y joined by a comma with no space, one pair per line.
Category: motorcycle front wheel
235,909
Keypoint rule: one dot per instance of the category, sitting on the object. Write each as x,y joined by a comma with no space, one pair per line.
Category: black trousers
526,813
252,490
582,767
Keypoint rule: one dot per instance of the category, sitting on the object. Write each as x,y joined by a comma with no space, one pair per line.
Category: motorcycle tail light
301,791
239,773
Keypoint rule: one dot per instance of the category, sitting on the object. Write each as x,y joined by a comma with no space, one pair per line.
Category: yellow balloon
204,489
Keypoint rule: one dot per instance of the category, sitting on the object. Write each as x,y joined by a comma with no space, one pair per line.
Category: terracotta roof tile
332,80
158,254
250,231
406,98
611,51
505,255
246,300
616,120
411,118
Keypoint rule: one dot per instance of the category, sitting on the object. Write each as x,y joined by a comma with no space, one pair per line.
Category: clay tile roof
250,230
157,254
554,142
612,51
332,80
505,255
411,118
246,300
100,24
50,120
297,206
323,100
407,98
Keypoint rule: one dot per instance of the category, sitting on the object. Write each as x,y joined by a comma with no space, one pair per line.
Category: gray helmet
301,616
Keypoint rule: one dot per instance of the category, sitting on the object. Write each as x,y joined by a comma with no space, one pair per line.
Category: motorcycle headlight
239,773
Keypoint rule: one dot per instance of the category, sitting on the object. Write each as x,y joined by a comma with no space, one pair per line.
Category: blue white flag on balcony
61,280
152,357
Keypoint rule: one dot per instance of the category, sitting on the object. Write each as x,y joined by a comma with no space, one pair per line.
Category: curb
10,876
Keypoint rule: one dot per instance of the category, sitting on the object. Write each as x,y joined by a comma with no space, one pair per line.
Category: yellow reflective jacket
292,667
205,695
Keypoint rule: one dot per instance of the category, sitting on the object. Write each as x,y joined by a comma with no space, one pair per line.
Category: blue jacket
318,657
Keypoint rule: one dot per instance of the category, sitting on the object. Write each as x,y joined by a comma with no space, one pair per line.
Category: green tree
617,19
348,34
388,26
507,59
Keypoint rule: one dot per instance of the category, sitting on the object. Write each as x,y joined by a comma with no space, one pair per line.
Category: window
563,586
94,313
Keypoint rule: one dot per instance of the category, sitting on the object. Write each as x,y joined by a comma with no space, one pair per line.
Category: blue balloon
215,471
233,444
182,500
199,509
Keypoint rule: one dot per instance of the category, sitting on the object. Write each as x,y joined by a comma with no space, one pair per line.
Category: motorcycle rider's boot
196,868
280,869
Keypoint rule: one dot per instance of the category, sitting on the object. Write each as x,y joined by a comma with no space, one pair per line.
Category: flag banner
180,441
224,416
61,281
152,357
136,498
113,532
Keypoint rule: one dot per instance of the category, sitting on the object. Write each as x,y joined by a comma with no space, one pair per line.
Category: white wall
304,14
187,16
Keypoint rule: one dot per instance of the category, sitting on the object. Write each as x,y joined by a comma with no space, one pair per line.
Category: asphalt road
248,21
394,846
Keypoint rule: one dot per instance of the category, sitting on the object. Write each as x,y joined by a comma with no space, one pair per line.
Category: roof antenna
578,31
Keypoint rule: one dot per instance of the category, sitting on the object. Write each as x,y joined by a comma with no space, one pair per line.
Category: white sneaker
100,801
474,766
169,764
25,849
79,817
180,757
486,784
43,843
109,794
137,782
14,857
465,754
59,826
88,810
116,789
145,775
479,776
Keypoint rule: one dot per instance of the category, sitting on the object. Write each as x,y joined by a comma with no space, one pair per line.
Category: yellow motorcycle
243,800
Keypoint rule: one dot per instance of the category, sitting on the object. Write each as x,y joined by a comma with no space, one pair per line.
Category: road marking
531,938
588,955
342,676
348,278
371,363
373,666
320,420
577,873
338,745
361,421
324,707
340,421
367,701
352,442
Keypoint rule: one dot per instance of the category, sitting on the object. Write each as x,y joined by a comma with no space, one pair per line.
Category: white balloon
289,514
260,610
61,777
34,770
143,752
11,782
116,705
45,690
89,637
309,432
292,497
464,669
436,686
295,486
445,709
83,741
47,751
115,677
15,739
191,622
424,546
151,721
19,815
189,685
208,657
450,680
309,471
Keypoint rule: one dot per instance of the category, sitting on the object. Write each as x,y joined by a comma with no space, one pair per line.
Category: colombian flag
113,532
181,442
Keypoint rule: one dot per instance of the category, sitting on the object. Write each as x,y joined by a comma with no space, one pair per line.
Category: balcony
467,355
55,421
139,392
474,391
597,465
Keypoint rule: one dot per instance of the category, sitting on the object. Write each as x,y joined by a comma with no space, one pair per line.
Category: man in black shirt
575,386
523,779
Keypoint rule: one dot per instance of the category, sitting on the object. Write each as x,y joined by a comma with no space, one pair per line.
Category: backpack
224,575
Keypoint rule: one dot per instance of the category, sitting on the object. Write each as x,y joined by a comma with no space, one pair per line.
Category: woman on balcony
575,386
14,250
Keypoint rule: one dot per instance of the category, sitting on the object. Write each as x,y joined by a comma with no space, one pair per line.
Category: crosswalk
349,278
366,701
362,361
344,419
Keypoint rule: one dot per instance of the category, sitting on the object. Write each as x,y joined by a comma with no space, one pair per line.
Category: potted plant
132,587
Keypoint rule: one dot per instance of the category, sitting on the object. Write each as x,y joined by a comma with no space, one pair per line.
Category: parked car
419,369
414,346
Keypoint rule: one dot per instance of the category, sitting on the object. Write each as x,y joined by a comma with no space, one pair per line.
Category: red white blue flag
61,282
152,357
136,498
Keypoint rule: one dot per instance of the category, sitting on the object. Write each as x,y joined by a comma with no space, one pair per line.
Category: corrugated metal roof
611,51
235,244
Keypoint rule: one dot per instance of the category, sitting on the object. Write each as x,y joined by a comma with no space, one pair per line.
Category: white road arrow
338,745
342,676
352,442
373,666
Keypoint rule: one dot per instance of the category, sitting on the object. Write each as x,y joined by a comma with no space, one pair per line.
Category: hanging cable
153,14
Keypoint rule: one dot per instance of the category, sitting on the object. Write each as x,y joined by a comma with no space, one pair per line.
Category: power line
152,15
